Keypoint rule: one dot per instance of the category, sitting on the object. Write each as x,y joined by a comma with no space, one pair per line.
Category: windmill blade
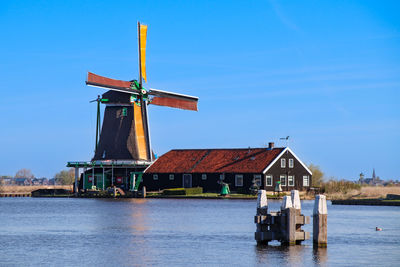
174,100
142,36
108,83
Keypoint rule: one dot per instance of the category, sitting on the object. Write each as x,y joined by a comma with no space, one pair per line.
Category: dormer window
291,163
283,163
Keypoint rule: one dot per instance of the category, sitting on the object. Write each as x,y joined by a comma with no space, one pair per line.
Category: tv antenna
287,140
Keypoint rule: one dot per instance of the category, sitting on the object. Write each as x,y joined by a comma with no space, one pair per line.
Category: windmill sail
174,100
142,50
140,132
174,103
108,83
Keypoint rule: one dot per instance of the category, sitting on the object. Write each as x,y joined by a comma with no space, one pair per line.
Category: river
182,232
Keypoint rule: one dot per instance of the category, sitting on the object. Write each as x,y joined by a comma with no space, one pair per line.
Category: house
23,181
240,168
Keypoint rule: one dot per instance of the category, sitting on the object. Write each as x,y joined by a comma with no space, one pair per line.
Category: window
171,177
291,180
268,180
291,163
204,176
155,176
283,179
221,177
306,180
238,180
283,163
257,179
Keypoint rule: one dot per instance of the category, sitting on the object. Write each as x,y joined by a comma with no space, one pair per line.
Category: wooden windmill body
124,139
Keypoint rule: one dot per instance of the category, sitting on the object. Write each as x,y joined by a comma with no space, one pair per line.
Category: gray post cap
286,203
262,202
320,205
295,199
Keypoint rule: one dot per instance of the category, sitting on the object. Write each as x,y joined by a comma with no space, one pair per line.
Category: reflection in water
139,226
283,255
320,256
139,214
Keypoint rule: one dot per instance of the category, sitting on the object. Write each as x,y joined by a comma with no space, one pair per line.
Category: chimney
271,145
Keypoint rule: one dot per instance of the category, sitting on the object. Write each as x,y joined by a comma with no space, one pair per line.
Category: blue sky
326,73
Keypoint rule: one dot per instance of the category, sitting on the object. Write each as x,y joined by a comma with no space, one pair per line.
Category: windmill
125,133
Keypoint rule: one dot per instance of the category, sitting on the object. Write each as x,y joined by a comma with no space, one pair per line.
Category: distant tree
65,177
24,173
317,175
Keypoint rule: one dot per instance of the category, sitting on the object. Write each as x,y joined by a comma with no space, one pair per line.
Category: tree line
64,177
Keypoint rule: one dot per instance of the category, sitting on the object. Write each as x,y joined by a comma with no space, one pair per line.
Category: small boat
378,229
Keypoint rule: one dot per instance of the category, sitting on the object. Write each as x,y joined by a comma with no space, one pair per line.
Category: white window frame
171,177
284,179
291,163
257,179
204,177
237,179
266,179
155,176
306,180
283,163
291,178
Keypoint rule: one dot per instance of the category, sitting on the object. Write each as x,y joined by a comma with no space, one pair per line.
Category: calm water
68,232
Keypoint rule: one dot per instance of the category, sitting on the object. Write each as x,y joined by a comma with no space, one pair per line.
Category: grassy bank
8,189
365,192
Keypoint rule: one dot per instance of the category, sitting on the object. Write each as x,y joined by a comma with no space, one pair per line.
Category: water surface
170,232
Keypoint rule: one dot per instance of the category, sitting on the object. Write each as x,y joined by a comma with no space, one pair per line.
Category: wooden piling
284,226
290,229
320,222
262,235
143,192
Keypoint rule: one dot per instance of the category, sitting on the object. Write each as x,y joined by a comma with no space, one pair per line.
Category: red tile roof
246,160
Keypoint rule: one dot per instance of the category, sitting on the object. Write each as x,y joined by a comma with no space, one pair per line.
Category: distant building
240,168
5,181
373,181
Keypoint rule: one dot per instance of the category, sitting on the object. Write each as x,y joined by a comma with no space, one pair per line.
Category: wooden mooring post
320,222
285,225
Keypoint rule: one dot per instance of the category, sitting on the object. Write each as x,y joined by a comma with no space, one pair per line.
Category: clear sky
326,73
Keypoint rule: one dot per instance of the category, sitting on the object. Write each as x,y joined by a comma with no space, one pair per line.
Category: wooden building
240,168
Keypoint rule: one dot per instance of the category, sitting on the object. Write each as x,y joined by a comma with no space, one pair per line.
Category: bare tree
65,177
317,175
24,173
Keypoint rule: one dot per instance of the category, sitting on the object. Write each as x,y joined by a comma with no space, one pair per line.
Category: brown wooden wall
298,171
211,184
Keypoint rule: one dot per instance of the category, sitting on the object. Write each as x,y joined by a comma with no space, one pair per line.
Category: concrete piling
295,196
286,203
262,203
320,222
